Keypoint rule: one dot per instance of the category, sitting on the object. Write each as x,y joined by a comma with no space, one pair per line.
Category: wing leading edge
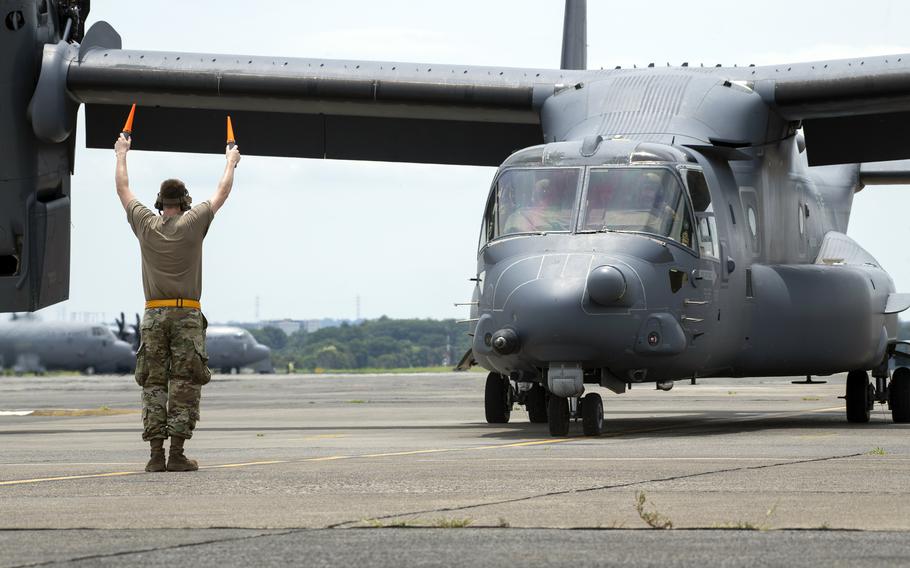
314,108
852,110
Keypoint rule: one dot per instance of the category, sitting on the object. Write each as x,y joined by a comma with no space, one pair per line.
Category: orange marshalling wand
231,141
128,126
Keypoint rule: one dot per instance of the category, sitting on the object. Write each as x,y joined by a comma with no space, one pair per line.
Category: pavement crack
591,489
158,548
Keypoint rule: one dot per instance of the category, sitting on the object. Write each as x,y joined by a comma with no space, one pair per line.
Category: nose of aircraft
125,356
584,317
261,352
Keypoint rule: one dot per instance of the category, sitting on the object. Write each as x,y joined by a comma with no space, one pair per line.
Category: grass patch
750,526
651,518
440,523
503,523
741,526
731,393
811,398
446,523
101,411
391,524
356,401
877,451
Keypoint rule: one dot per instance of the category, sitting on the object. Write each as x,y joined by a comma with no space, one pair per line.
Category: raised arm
121,147
232,153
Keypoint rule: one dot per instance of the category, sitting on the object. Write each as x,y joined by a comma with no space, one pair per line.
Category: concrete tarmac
754,471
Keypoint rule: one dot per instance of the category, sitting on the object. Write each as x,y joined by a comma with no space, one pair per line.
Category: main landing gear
861,395
498,398
899,395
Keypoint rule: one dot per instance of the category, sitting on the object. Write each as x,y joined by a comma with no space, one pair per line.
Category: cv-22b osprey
645,225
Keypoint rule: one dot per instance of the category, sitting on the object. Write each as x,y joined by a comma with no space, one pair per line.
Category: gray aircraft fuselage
235,348
777,289
28,345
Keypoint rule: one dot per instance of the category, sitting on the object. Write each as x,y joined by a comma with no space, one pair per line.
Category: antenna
575,36
357,307
256,310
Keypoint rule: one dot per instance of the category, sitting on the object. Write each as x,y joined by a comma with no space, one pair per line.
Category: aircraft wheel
496,400
558,415
536,403
858,399
592,414
899,395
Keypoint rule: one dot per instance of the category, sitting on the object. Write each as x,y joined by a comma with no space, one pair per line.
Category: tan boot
157,461
176,461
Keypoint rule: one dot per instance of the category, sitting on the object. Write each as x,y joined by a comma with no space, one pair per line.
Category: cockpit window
534,200
644,200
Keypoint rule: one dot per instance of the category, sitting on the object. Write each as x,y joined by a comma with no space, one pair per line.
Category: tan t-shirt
171,250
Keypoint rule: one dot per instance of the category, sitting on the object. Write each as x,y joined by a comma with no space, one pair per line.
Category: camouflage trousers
171,367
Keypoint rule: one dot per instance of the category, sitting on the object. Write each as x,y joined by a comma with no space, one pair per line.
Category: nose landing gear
590,409
592,414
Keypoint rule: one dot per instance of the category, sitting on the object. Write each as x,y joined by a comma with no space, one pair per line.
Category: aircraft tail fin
575,36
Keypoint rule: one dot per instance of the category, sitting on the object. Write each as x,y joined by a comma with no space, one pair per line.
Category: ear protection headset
184,201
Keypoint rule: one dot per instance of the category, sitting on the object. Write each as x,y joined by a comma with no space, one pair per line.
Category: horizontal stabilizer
897,303
885,173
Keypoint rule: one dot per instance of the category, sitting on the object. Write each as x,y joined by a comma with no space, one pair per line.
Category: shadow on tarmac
696,424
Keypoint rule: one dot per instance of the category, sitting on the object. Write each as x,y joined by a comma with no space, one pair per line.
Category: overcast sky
308,236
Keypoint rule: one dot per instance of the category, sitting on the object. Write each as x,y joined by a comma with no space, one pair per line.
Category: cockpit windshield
534,200
645,200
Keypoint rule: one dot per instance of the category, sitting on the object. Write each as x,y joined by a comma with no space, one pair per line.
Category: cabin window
704,213
531,200
641,200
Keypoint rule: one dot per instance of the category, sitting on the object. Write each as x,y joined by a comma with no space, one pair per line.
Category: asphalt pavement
402,470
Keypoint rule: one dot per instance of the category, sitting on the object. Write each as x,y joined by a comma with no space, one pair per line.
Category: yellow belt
178,303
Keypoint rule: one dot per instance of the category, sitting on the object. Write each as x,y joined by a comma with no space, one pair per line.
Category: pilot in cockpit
653,196
544,212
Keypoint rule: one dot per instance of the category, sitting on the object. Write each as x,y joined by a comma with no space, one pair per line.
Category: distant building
290,326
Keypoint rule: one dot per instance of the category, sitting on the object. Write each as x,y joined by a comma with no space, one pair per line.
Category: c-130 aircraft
646,225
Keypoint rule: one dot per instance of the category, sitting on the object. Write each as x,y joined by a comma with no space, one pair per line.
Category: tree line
383,343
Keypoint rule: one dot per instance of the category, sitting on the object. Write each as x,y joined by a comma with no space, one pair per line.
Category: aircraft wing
852,110
312,108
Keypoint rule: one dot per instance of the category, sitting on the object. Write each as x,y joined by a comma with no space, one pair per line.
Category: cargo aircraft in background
230,349
645,225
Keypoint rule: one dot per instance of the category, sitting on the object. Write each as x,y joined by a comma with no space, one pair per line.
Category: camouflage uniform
171,367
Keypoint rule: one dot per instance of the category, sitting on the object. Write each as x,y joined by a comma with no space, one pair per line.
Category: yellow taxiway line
540,442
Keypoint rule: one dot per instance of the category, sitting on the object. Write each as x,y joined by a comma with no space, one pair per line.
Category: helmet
172,193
